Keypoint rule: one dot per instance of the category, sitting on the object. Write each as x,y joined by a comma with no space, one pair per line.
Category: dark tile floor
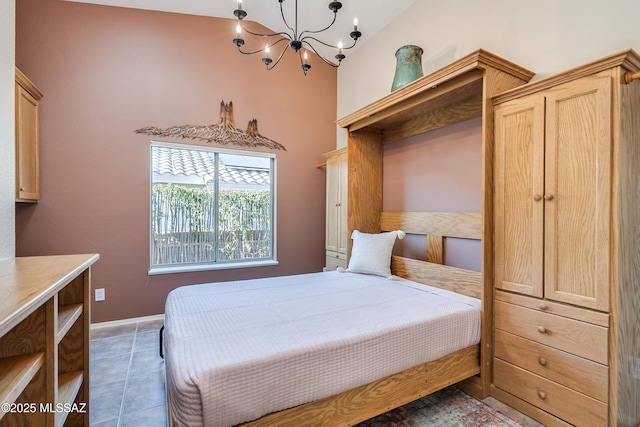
127,376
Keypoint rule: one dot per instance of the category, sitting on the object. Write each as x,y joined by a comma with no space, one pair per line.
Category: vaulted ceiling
372,15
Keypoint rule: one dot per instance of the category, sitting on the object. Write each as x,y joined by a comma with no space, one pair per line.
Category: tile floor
127,379
127,376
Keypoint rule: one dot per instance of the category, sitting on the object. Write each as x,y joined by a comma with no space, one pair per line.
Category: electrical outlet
100,294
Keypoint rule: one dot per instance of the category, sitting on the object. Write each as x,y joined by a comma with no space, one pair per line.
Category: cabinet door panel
578,192
333,199
27,168
343,238
519,186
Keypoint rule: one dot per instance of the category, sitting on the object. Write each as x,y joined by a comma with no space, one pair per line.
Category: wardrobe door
519,207
333,202
577,195
343,234
27,157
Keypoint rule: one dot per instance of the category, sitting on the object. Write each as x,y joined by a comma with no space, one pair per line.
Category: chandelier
294,39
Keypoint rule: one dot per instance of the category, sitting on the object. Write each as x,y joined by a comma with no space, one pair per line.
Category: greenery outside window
210,208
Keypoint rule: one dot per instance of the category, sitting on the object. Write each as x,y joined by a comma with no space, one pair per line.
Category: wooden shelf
15,373
67,315
450,95
44,338
69,384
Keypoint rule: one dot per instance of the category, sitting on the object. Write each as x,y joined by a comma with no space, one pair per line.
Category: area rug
445,408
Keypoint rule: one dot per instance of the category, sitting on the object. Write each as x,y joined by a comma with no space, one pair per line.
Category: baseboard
124,322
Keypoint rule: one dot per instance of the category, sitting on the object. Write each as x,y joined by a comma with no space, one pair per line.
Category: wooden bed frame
364,402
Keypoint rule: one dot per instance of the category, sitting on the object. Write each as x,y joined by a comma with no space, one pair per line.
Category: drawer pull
537,197
542,395
542,361
542,306
542,329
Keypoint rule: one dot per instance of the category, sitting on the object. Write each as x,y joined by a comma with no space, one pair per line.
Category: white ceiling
372,15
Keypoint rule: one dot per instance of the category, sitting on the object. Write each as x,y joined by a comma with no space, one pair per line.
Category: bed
331,348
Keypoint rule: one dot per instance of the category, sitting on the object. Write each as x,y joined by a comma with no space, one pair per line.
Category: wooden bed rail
435,226
361,403
459,280
464,225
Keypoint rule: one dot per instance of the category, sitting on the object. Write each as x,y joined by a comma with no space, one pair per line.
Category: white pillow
371,253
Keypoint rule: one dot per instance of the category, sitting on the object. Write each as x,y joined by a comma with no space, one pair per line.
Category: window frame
214,265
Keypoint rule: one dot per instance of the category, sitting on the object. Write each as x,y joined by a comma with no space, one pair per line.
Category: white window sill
209,267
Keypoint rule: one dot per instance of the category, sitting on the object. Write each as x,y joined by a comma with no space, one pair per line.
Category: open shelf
44,339
15,373
69,384
67,315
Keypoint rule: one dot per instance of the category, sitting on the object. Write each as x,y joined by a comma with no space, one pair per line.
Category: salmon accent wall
438,171
106,71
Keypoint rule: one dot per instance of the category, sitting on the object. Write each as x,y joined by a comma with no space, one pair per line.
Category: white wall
545,36
7,128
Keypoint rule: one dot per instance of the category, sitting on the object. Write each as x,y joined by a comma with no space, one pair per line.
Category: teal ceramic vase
408,65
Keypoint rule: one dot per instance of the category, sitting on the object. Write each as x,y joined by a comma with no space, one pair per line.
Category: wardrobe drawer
580,338
560,401
561,309
575,372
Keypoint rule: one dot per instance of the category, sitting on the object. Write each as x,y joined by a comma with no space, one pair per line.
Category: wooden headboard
435,226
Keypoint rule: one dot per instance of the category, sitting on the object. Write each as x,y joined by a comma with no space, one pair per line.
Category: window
210,208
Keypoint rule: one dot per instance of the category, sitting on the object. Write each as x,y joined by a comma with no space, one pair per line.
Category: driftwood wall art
224,132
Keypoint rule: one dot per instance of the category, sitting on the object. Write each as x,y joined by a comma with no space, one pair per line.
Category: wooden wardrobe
567,246
337,237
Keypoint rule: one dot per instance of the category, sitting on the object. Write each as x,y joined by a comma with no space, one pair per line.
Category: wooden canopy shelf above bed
450,95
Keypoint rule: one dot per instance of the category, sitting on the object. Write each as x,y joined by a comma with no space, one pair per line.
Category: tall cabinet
336,220
567,233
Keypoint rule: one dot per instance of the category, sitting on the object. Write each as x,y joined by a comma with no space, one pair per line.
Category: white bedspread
235,351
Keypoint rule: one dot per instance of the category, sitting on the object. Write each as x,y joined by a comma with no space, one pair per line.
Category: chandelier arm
283,39
269,68
352,46
282,34
304,40
335,15
310,46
